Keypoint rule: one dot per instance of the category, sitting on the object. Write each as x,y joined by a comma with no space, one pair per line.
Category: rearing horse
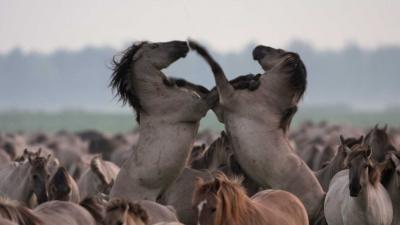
257,122
168,112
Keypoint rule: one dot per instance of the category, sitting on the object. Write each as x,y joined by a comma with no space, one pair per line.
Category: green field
11,121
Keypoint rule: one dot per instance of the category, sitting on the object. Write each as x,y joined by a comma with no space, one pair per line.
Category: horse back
286,207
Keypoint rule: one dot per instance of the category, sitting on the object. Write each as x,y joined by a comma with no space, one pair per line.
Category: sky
226,25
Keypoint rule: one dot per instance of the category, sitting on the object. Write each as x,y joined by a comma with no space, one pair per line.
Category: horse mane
16,213
179,82
351,141
388,168
95,165
95,207
120,79
286,118
298,80
233,205
134,209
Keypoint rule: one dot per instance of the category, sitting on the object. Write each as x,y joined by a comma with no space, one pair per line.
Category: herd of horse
167,173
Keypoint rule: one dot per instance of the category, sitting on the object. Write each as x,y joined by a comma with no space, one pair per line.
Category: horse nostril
258,53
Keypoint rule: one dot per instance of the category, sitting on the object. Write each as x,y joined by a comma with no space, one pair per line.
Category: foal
224,202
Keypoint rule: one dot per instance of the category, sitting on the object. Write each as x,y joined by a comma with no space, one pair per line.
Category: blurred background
55,56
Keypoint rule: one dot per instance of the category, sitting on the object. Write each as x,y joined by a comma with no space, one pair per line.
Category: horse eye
35,177
213,210
154,45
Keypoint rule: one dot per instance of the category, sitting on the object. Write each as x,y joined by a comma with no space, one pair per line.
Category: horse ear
25,151
48,157
395,160
376,127
368,153
362,139
216,185
38,152
385,127
341,140
199,182
347,150
111,183
137,55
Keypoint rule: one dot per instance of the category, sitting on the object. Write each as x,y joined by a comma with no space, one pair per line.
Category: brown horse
224,202
380,142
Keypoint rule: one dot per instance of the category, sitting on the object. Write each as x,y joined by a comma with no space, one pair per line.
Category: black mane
299,79
120,79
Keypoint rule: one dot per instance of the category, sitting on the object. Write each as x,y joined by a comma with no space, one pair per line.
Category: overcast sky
46,25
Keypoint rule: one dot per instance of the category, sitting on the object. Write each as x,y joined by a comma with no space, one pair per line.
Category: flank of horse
224,201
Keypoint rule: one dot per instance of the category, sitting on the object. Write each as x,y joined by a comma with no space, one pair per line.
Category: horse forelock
232,204
120,78
134,209
39,163
374,174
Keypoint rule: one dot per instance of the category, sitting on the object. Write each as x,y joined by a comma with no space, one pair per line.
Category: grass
12,121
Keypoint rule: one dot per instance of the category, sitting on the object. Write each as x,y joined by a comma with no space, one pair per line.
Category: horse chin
42,198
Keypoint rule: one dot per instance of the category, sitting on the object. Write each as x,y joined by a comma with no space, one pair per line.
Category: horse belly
157,161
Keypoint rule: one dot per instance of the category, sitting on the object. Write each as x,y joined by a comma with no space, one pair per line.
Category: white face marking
200,208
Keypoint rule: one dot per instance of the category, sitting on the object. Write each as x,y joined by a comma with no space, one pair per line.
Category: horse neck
335,165
142,66
24,186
